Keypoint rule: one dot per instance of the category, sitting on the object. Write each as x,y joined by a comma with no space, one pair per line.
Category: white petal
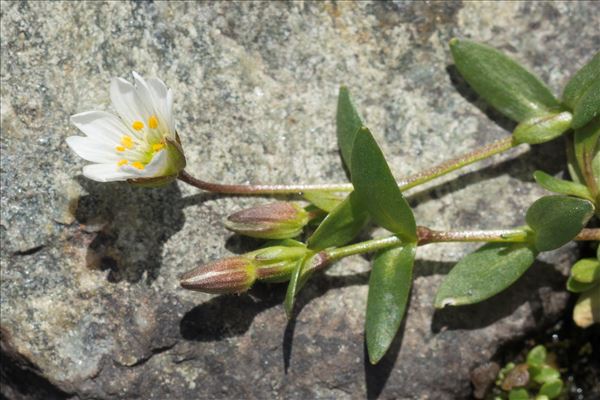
91,150
154,168
106,173
100,126
169,112
126,102
156,97
146,95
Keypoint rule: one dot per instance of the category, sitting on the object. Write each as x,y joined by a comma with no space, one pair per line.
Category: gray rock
90,304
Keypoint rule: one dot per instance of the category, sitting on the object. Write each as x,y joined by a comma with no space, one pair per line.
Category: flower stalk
409,182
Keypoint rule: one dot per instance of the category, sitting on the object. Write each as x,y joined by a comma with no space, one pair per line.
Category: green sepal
389,290
484,273
501,81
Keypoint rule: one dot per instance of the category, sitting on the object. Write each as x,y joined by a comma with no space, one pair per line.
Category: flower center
140,150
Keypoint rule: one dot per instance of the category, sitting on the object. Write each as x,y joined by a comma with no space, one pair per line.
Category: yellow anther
153,122
127,142
137,125
122,162
137,165
158,146
120,148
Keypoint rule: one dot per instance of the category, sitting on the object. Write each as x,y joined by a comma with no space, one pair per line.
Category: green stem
426,236
404,184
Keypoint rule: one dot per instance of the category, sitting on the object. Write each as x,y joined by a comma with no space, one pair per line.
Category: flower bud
238,274
228,275
279,220
276,263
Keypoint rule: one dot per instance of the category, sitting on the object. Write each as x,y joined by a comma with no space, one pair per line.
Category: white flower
140,144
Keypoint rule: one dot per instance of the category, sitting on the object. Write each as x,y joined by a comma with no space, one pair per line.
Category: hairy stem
404,184
426,236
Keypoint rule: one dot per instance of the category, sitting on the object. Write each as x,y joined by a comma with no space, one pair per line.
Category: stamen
153,122
158,146
137,165
122,162
120,148
127,142
137,125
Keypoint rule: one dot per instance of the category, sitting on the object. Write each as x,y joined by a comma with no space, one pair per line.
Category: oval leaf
377,189
543,128
348,123
556,220
587,107
341,225
501,81
586,270
551,389
573,285
581,81
484,273
556,185
389,289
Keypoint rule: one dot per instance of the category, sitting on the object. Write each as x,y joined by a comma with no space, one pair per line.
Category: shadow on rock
481,315
472,97
548,157
376,376
229,315
131,225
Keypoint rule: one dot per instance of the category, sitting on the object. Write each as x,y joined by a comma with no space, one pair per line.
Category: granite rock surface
90,304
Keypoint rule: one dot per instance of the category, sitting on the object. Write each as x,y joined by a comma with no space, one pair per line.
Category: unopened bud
279,220
276,263
228,275
238,274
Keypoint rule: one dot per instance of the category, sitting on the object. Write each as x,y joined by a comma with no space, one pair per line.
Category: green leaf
556,220
377,189
389,289
302,272
293,289
586,270
341,225
326,201
586,145
556,185
484,273
518,394
587,107
348,123
542,128
501,81
551,389
573,285
546,374
536,356
581,82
